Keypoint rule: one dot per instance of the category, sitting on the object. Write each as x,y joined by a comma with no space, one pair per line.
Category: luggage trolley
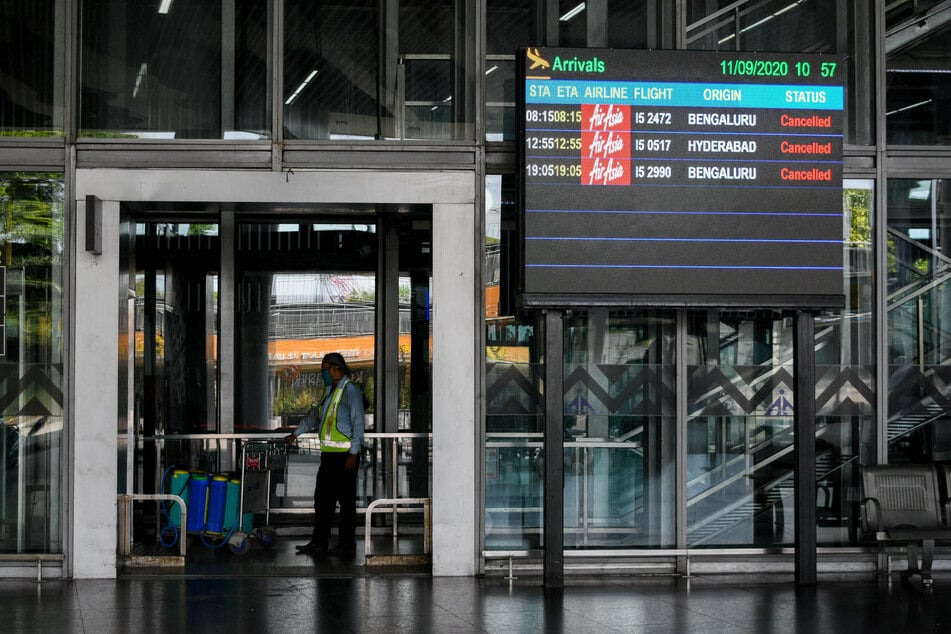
258,459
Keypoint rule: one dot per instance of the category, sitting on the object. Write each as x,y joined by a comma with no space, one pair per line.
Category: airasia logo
601,117
605,172
605,145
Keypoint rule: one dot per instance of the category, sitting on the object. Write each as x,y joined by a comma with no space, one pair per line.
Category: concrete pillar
455,391
94,376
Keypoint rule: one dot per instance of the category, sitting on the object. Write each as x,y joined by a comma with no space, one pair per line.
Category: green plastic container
178,486
232,505
247,522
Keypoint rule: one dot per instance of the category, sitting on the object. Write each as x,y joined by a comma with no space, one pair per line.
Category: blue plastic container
217,496
197,501
179,487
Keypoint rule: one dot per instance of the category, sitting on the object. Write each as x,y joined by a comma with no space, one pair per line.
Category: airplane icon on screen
537,60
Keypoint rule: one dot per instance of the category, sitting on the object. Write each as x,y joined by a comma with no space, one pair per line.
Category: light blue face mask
325,375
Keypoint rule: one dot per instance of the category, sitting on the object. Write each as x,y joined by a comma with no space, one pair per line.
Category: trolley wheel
240,548
265,536
168,536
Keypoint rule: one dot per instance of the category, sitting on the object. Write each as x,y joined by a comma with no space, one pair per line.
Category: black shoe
309,544
315,550
344,551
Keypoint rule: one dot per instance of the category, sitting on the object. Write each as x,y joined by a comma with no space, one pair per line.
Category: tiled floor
370,603
275,590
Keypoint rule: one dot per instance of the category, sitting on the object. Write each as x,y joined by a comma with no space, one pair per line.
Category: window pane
620,425
514,417
739,430
918,80
176,69
331,62
845,377
919,320
771,25
31,62
627,24
509,26
432,85
31,363
572,23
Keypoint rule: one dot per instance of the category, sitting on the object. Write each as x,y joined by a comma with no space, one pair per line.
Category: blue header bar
699,95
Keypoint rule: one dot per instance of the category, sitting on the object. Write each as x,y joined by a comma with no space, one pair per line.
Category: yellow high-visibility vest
331,439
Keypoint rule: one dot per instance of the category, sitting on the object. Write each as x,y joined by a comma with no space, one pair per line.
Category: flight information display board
681,178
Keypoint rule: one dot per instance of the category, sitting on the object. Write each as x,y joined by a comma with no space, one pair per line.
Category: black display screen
681,178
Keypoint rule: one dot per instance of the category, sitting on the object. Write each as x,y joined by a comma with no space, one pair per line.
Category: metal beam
805,443
554,531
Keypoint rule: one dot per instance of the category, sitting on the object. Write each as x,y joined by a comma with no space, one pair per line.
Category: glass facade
31,362
739,374
678,423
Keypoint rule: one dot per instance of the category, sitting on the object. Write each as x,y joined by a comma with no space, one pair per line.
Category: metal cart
258,459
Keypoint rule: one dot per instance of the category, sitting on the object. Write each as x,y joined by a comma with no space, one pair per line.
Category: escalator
918,344
919,368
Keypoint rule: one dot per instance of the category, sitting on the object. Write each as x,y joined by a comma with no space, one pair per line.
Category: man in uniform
339,418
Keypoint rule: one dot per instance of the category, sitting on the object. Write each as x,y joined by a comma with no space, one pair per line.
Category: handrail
427,504
125,524
271,435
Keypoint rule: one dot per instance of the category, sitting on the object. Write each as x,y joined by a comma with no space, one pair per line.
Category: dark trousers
335,485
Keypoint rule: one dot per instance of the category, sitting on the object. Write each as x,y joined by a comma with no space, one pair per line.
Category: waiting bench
908,504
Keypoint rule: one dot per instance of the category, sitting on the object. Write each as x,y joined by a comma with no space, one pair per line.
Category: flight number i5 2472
653,118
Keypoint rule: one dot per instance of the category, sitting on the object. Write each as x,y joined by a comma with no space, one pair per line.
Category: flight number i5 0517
652,145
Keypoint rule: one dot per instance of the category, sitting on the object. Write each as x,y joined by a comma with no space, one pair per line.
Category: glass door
174,291
232,316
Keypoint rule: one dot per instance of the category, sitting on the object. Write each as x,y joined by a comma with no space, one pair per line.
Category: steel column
554,531
805,447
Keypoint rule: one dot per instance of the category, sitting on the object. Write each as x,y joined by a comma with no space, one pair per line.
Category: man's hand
352,461
289,439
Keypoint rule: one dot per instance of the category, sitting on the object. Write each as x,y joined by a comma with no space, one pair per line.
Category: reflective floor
335,598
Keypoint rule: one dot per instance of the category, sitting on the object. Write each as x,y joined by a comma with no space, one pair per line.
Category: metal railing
125,519
427,506
385,474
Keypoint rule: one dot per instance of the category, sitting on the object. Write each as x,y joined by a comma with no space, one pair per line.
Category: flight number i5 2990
653,171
